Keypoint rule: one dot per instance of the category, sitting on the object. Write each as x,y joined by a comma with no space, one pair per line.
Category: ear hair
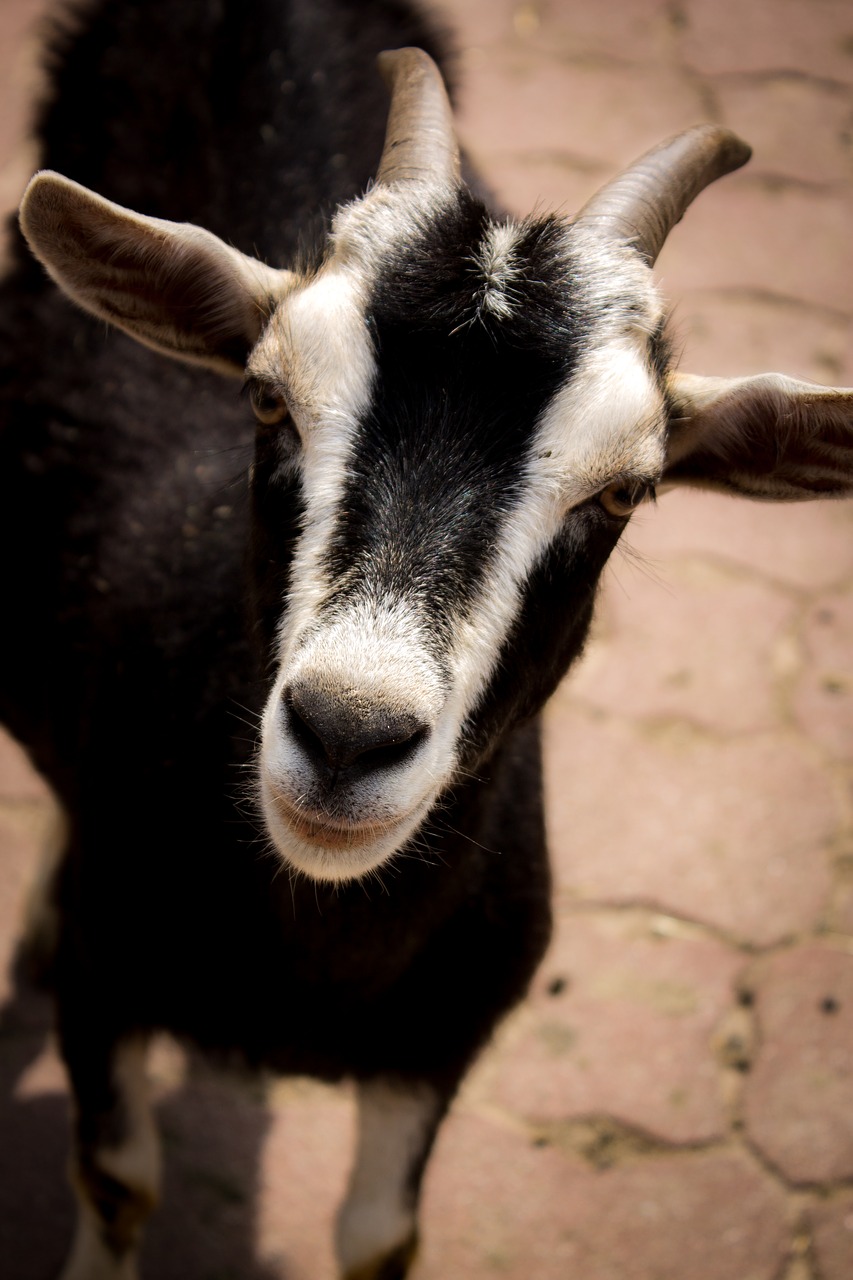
171,285
764,437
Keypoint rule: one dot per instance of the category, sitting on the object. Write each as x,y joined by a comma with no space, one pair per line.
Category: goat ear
763,437
172,285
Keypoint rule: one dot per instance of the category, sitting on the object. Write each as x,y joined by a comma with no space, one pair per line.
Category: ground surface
675,1099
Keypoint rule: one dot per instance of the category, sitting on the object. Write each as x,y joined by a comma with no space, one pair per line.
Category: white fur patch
500,268
134,1163
377,1216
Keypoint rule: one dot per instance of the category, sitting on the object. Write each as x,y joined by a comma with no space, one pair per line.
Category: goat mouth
330,833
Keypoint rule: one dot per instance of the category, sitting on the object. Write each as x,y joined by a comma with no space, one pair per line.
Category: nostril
340,729
301,729
388,754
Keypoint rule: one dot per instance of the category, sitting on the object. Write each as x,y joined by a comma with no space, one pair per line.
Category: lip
326,832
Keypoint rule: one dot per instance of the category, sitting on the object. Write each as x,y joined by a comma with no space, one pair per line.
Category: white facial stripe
317,342
607,420
318,346
379,648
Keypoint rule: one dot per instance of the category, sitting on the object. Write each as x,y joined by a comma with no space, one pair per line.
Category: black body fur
135,671
143,581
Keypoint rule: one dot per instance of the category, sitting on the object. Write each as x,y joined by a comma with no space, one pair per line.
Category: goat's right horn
420,140
643,204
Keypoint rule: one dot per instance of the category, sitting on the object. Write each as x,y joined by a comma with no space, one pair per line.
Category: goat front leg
115,1167
377,1231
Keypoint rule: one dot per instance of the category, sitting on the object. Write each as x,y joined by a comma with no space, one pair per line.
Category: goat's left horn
420,140
643,204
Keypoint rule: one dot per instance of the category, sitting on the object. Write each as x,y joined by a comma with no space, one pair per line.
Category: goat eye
624,496
268,407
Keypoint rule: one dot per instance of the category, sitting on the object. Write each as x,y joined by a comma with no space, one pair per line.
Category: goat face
445,429
456,416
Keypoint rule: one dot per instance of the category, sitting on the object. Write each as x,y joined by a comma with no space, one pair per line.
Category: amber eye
624,496
268,407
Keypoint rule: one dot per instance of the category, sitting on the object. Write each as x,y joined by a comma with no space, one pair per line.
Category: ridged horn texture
420,140
643,204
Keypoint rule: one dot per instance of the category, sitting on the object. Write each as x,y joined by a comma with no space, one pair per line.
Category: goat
455,415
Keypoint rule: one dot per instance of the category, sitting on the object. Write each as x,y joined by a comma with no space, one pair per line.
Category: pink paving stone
832,1225
479,23
19,80
304,1168
816,38
35,1199
19,36
841,913
757,235
531,183
688,641
498,1206
21,839
823,698
214,1132
633,109
631,30
798,1099
627,1035
732,834
18,779
794,127
733,334
804,545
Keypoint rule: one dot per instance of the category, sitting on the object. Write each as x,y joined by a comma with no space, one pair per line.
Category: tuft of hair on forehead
500,267
537,285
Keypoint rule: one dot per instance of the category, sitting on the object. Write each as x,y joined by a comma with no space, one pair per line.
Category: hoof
391,1266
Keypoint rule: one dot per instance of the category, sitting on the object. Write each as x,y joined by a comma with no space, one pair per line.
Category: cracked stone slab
832,1227
798,1098
808,546
618,1024
761,232
644,660
755,36
823,697
498,1204
796,128
736,333
730,833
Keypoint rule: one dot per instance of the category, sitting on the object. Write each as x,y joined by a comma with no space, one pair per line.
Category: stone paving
675,1098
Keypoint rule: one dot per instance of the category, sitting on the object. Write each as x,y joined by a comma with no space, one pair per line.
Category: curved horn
420,140
643,204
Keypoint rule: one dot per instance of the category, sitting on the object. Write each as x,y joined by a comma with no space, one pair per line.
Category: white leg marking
134,1163
91,1259
380,1211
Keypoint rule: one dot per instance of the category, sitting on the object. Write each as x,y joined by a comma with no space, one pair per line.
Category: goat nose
337,729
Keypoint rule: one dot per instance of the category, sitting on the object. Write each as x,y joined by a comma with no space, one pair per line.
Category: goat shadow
213,1127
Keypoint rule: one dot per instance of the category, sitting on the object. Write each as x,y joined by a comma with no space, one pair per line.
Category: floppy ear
172,285
764,437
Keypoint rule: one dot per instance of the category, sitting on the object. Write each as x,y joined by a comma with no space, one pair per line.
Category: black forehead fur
435,285
439,456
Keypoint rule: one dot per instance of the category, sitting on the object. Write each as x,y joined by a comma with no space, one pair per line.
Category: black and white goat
454,416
